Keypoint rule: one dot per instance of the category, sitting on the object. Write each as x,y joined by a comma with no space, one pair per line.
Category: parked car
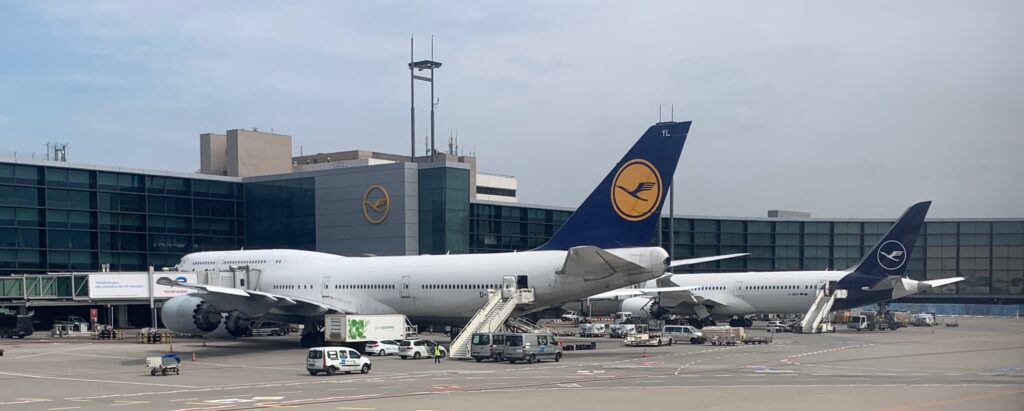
488,346
381,347
417,349
776,327
531,347
331,360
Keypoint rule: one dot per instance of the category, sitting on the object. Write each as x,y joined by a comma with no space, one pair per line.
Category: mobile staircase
491,318
816,315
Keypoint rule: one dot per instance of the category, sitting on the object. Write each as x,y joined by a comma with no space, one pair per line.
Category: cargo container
353,328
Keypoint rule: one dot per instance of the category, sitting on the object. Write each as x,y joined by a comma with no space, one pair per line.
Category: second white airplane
878,278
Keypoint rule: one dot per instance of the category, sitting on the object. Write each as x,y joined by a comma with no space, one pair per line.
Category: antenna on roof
672,117
659,113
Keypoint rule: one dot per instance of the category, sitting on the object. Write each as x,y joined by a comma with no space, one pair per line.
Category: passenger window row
293,287
459,286
779,287
364,287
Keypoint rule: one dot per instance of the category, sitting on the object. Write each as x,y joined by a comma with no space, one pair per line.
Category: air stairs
491,318
826,297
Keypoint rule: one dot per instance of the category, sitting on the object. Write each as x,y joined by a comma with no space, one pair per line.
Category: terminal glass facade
990,254
281,214
444,210
67,219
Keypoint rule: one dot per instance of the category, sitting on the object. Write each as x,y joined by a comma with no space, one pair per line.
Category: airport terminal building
251,192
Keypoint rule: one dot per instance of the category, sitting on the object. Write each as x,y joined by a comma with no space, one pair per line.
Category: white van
682,333
331,360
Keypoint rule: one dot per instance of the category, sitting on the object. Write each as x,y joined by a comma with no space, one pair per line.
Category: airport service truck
871,320
643,337
355,329
13,325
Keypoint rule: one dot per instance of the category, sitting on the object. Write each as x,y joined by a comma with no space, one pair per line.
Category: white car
776,327
381,347
331,360
417,349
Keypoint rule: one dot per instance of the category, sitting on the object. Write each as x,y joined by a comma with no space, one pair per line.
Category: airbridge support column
121,319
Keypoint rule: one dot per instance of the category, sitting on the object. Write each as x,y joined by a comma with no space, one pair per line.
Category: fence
961,309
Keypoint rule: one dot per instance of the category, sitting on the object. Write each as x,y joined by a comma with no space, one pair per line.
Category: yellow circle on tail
636,190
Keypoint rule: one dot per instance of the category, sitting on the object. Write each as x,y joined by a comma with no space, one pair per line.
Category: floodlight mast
420,66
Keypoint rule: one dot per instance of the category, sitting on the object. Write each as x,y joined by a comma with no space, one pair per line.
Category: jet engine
641,307
237,324
190,314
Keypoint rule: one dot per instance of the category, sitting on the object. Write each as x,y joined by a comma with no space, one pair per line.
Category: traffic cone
193,357
645,353
172,347
204,343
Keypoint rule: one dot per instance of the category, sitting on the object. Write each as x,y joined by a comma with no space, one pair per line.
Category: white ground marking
90,380
60,351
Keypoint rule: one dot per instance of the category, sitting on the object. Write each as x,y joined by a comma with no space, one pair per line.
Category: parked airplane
878,278
604,245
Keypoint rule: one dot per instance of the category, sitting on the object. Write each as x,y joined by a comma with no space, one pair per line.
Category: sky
841,109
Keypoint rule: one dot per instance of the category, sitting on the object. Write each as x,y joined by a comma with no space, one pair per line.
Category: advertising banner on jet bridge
134,285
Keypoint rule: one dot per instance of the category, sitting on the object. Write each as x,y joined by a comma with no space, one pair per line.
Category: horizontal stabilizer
698,260
939,282
892,282
593,263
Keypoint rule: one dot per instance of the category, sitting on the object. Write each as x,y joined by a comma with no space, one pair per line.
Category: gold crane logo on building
636,190
376,204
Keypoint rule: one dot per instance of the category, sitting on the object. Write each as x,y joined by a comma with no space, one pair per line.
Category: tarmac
978,365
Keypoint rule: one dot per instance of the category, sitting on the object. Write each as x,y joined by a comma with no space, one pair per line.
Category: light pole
420,66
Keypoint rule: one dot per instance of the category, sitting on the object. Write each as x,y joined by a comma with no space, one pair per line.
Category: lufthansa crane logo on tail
892,255
376,204
636,190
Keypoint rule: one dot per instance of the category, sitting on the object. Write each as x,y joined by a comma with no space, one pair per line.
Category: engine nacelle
237,324
639,306
190,314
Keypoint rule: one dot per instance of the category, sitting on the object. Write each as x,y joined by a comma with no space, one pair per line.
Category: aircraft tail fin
892,253
624,209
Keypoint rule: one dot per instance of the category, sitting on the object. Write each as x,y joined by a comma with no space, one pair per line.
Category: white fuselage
750,293
430,288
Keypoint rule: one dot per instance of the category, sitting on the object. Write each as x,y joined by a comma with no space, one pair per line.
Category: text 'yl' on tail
892,253
624,209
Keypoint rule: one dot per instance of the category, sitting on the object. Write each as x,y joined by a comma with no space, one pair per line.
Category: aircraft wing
593,263
255,302
698,260
632,292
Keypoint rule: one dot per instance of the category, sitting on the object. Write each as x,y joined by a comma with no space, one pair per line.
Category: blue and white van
332,360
